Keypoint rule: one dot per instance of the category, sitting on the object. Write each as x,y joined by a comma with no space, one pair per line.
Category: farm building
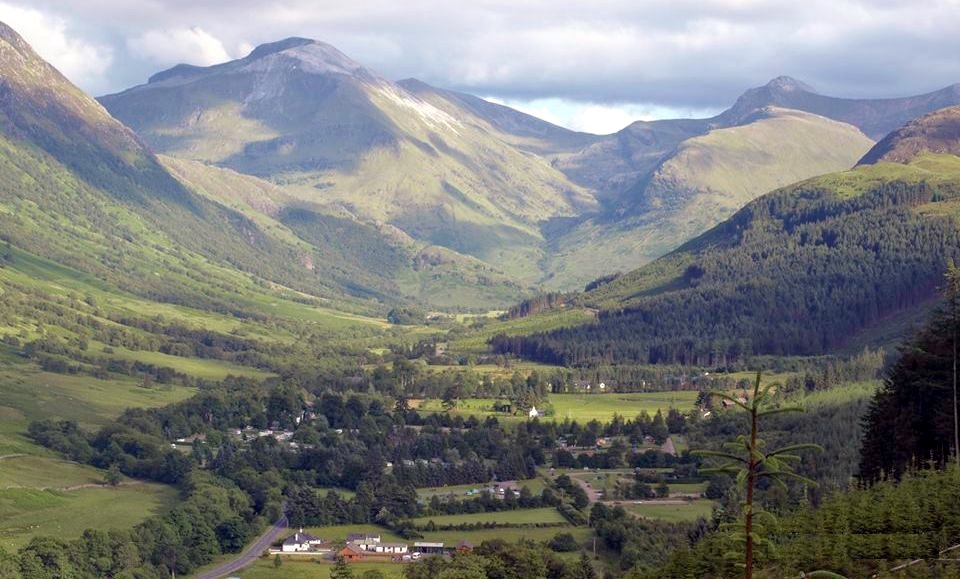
387,548
363,538
428,548
300,542
350,553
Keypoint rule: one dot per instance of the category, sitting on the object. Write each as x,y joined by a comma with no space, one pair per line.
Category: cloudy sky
589,65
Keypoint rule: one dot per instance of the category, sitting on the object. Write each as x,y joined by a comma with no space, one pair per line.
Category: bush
564,543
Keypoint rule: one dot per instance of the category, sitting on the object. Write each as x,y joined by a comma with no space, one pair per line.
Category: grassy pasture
517,517
679,512
511,535
296,569
25,513
579,407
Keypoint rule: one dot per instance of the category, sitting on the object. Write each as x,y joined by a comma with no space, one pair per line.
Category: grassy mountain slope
377,261
520,129
704,181
333,133
535,202
800,271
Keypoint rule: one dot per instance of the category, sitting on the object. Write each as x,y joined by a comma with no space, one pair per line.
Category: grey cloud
679,53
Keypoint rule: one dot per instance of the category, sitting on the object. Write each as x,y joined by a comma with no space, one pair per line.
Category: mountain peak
937,132
308,55
314,56
788,84
278,46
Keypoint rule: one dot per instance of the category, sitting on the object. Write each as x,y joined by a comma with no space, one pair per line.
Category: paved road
251,554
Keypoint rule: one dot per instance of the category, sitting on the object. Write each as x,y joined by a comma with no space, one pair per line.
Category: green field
30,476
199,367
579,407
536,486
475,340
517,517
294,569
681,512
602,407
25,513
476,537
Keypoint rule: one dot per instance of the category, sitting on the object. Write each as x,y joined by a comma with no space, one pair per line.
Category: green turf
685,511
298,569
517,517
25,513
475,537
580,407
460,491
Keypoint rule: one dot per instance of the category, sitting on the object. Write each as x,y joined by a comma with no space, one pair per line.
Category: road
251,553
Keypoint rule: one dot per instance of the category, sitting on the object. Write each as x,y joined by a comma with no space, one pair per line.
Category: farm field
25,513
678,511
602,407
294,569
517,517
579,407
476,537
30,475
535,485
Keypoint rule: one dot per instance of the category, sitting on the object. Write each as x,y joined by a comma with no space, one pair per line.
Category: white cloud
679,53
598,118
191,45
83,62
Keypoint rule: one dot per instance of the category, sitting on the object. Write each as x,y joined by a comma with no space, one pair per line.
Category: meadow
579,407
679,511
296,569
535,486
547,515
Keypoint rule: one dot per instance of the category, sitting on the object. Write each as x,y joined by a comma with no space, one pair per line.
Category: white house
300,542
395,548
533,412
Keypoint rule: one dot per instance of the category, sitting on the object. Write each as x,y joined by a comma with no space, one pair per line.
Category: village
363,546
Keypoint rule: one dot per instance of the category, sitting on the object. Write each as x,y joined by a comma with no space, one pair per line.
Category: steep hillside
702,182
376,261
305,116
801,271
875,117
520,129
80,189
938,132
615,163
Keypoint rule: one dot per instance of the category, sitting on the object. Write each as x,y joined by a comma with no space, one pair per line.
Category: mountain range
833,263
311,173
495,193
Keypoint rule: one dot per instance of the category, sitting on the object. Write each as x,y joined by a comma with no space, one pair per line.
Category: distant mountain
875,117
525,131
333,133
831,263
938,132
537,203
701,182
81,190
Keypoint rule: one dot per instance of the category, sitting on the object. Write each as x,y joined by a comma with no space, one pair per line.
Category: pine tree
952,292
341,570
750,462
